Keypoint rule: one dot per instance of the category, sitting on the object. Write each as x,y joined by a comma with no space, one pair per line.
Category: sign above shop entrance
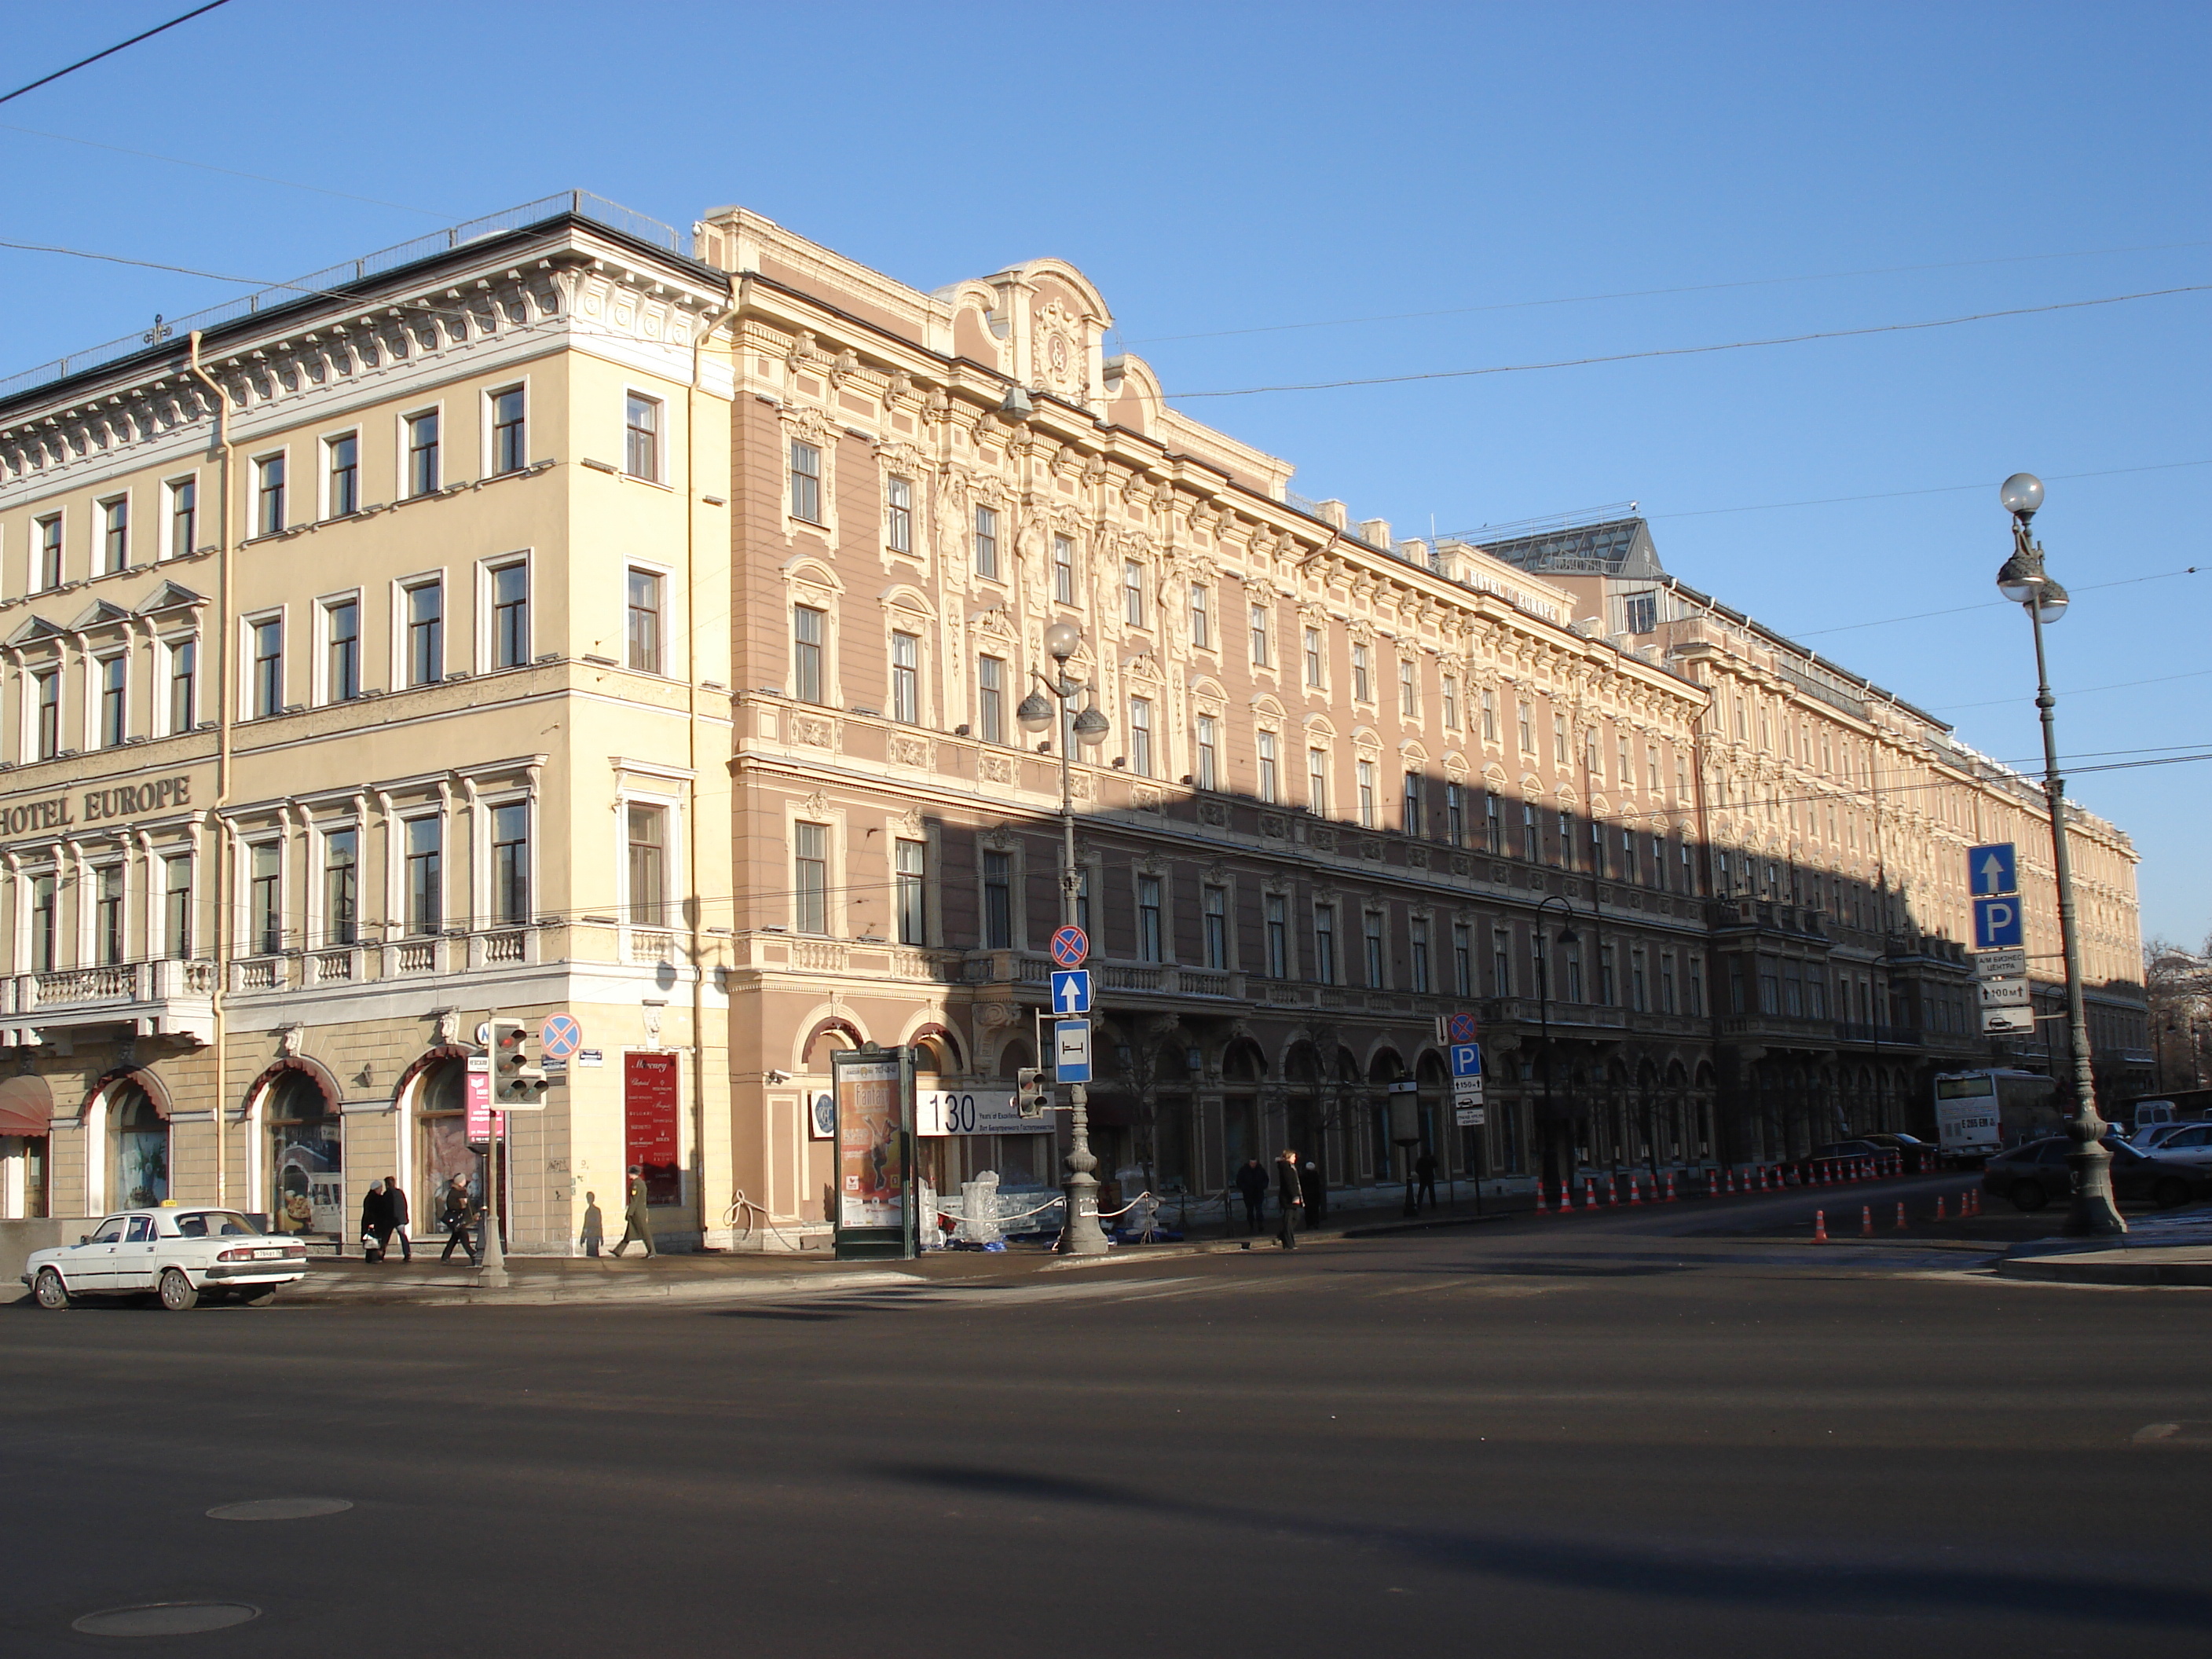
109,804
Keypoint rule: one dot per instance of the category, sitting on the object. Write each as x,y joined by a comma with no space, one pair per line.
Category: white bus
1978,1113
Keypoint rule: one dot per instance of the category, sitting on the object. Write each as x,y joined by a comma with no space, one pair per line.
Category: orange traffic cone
1901,1215
1939,1206
1634,1196
1542,1208
1820,1226
1669,1199
1731,1181
1866,1221
1612,1192
1589,1192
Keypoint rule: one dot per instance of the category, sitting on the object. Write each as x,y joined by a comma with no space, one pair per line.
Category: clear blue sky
1219,168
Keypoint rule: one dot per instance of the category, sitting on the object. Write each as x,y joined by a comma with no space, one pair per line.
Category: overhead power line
1693,351
1899,495
111,52
2080,691
1980,604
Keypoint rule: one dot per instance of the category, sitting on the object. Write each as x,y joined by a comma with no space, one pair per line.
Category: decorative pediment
102,613
34,628
171,596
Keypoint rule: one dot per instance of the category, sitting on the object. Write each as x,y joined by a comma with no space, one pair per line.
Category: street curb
2071,1270
711,1290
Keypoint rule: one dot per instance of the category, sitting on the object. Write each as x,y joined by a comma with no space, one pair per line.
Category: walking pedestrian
1314,1185
1290,1194
375,1223
1424,1174
1252,1183
395,1199
458,1212
635,1222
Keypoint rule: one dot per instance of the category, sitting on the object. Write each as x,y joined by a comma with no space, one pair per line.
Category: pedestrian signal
1032,1094
517,1080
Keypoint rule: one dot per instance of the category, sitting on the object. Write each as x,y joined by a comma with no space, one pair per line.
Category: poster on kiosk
874,1091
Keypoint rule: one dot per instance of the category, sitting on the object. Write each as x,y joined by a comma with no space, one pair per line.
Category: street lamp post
1081,1234
1567,936
2022,580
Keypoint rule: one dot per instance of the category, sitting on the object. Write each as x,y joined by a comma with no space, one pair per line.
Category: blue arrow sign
1992,870
1466,1060
1998,925
1071,992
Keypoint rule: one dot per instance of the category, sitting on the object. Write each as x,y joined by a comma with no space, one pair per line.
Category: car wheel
51,1293
177,1294
2171,1193
2029,1196
259,1296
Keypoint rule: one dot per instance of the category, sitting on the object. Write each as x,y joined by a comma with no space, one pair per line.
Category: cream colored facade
789,550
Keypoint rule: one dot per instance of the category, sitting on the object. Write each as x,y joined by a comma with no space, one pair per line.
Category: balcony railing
171,998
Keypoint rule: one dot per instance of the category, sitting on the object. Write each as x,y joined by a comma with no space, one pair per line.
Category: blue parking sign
1466,1060
1998,925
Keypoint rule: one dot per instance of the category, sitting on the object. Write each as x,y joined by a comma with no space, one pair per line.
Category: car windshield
216,1224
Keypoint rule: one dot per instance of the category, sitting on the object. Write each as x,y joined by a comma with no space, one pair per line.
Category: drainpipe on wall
219,446
708,325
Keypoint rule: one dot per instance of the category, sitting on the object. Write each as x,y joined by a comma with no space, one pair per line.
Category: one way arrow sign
1992,870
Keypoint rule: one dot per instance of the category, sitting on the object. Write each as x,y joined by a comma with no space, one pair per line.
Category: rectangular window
806,482
1651,769
342,650
114,701
184,670
1639,992
1456,814
108,915
1532,838
48,689
1363,774
1659,862
1463,959
115,535
808,625
342,474
1639,613
1213,909
1362,689
1631,870
269,495
998,901
1493,828
1489,715
1276,909
510,615
1140,737
810,877
906,677
1318,783
1270,783
1667,985
1409,689
1133,594
1209,758
986,541
1313,660
183,517
1063,569
643,635
1259,626
1418,937
510,863
425,875
1528,729
341,886
1325,944
1573,954
898,513
177,906
1501,963
1410,812
1377,978
641,437
264,898
1201,617
1559,740
1451,702
1605,975
1597,849
1564,849
990,699
645,832
43,921
1083,898
1592,758
426,633
1627,776
423,473
510,449
1148,919
911,864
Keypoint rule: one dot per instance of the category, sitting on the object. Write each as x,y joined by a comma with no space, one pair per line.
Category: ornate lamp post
1081,1235
2022,580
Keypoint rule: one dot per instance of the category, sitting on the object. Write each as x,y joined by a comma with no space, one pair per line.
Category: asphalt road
1649,1432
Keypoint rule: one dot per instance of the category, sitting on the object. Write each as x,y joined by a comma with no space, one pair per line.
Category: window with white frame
509,585
177,906
986,542
1209,744
425,473
641,437
1362,773
341,885
911,861
810,628
114,535
898,513
510,448
1450,699
46,701
1318,783
341,621
510,863
991,699
1411,811
906,677
1140,736
1417,936
264,898
1316,664
644,830
1133,594
1363,689
45,918
643,634
1489,715
1258,625
109,940
1408,688
1213,915
1275,910
47,535
184,656
264,666
423,883
423,623
342,475
182,522
1149,928
1063,569
1527,721
806,482
1271,789
114,675
1324,924
810,885
1456,813
269,487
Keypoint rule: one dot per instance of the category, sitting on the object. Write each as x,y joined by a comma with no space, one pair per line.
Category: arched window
306,1166
142,1148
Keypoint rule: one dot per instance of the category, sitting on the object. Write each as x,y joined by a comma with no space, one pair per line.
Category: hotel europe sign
73,811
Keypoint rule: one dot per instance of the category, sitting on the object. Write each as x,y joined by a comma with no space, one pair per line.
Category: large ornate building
559,615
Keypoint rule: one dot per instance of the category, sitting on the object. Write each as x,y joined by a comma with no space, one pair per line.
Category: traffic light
1032,1093
517,1080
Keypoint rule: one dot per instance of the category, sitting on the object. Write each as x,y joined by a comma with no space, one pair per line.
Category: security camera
775,1077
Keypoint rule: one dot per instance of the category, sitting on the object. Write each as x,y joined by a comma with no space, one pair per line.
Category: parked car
2175,1141
2036,1173
1865,1146
178,1254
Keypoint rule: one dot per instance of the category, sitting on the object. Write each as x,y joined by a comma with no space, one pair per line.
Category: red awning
27,1106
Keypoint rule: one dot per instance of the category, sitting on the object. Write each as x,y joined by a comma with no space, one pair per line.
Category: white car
179,1255
2176,1139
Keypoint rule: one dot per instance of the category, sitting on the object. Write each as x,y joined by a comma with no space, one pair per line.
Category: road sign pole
491,1258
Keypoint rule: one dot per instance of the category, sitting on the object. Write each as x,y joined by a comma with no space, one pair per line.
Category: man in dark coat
1290,1192
1424,1174
1315,1186
456,1214
1252,1181
395,1201
376,1221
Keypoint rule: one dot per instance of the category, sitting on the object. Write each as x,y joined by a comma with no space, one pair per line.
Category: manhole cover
279,1509
167,1619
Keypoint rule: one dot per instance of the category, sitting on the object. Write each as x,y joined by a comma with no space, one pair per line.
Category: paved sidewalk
2173,1247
